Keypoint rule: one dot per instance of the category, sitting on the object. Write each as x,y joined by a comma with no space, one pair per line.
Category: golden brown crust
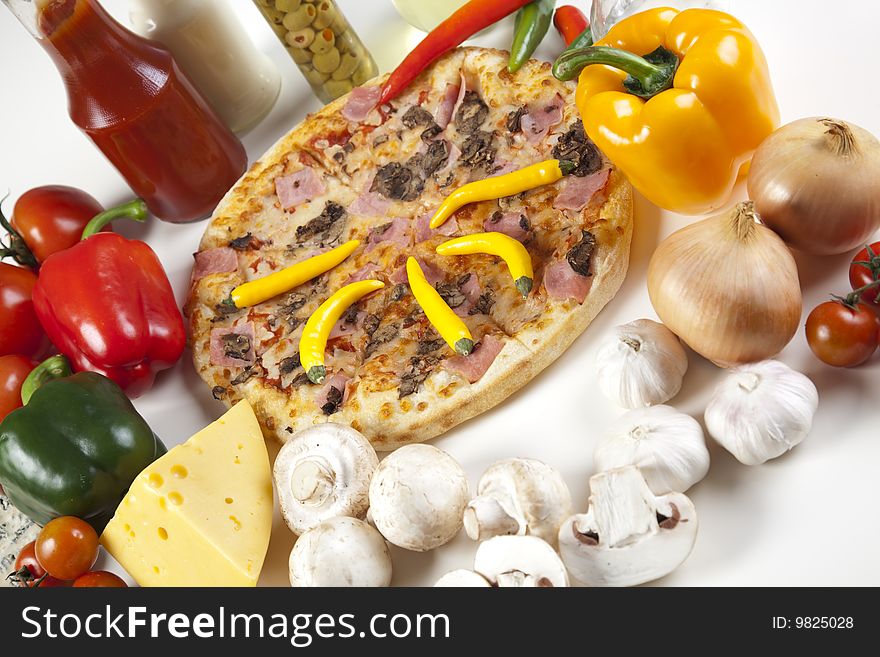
445,399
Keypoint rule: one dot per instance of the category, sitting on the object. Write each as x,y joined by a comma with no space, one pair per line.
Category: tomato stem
17,248
852,299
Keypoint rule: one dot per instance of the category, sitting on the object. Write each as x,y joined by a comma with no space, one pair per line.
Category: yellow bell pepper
448,324
263,289
518,260
314,337
678,101
508,184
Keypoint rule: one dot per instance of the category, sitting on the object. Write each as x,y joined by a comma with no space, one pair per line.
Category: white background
809,517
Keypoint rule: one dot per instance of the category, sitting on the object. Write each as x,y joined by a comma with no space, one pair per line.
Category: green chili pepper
532,23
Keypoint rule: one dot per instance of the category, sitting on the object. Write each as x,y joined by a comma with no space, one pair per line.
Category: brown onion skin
728,287
819,200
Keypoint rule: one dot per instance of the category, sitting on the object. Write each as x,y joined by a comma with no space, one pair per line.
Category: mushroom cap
417,497
520,561
628,536
461,578
518,496
323,472
340,552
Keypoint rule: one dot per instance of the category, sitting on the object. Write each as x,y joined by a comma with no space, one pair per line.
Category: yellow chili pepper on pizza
267,287
514,254
678,101
508,184
314,337
442,317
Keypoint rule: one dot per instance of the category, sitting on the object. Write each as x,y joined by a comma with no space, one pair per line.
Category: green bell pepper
74,448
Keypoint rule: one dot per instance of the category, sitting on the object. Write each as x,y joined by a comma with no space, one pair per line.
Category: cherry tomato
843,335
34,576
862,274
67,547
100,579
20,330
52,218
13,371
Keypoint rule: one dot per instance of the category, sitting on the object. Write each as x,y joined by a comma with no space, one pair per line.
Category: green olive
327,13
337,88
326,62
323,42
300,18
365,71
315,78
287,5
301,38
347,66
300,55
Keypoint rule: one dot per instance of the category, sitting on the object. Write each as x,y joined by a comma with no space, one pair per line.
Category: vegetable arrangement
727,286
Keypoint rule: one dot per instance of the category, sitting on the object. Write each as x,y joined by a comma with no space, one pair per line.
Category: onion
816,182
728,287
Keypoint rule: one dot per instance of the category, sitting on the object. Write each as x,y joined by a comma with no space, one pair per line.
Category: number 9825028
823,622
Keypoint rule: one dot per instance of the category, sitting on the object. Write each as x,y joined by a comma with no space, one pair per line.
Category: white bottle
211,47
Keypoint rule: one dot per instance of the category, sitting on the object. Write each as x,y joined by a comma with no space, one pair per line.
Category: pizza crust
445,399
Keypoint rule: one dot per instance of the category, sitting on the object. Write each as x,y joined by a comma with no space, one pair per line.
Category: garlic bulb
640,364
728,287
761,411
667,446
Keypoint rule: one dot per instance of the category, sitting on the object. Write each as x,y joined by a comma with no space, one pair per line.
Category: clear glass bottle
606,13
322,43
426,15
210,45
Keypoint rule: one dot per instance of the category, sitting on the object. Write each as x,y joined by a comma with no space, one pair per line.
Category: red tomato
100,579
52,218
865,269
67,547
20,330
13,371
841,335
35,575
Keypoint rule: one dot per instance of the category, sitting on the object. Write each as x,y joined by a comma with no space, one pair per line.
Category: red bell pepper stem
54,367
135,210
570,22
472,17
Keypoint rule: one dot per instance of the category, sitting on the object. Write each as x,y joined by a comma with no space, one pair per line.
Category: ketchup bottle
127,94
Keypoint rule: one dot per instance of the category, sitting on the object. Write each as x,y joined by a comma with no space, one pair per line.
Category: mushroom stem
623,506
485,517
312,481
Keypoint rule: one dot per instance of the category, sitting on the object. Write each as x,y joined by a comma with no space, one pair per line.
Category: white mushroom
461,578
518,496
520,561
417,497
324,472
628,536
667,446
340,552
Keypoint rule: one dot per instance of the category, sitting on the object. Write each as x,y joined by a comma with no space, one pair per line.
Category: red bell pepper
472,17
107,305
570,22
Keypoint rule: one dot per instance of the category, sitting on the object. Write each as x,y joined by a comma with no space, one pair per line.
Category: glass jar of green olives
322,43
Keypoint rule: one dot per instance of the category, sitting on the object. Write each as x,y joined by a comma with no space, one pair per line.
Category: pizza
376,174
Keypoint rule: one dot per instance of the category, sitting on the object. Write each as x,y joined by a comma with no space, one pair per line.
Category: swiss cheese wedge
201,515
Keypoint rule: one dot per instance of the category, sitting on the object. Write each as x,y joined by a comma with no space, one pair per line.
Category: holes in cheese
220,535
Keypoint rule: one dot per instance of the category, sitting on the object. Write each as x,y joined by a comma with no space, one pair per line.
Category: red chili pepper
472,17
107,305
570,22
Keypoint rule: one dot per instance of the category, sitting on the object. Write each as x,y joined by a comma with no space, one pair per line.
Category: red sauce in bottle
129,96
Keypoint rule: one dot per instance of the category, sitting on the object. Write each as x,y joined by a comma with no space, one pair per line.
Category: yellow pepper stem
267,287
509,184
313,342
448,324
